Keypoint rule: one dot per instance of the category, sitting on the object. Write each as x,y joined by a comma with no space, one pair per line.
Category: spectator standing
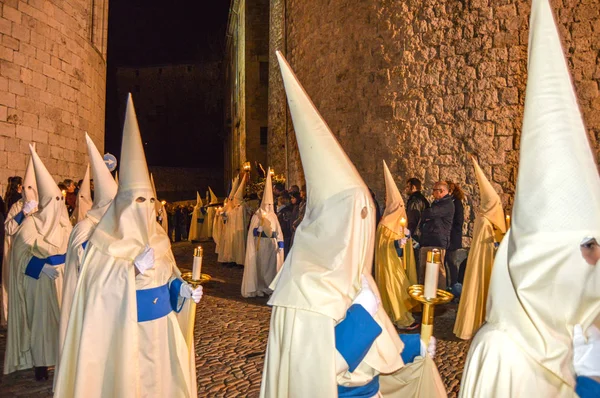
284,215
458,220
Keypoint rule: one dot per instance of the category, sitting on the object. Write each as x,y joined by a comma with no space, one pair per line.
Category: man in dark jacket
436,224
415,206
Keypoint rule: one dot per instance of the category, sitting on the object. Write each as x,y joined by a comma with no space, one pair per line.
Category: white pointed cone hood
394,204
267,200
238,198
556,206
198,200
334,243
234,187
490,203
213,197
84,196
157,204
105,187
129,223
30,190
52,211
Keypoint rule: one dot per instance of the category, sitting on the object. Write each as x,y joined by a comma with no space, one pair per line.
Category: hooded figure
264,247
198,219
541,286
14,218
36,264
123,338
221,220
233,238
105,189
84,198
161,212
394,257
490,225
329,336
209,218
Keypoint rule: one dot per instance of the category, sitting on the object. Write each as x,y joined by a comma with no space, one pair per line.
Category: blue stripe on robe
84,244
367,391
174,291
587,387
35,265
355,335
153,303
280,244
399,249
19,217
412,347
262,234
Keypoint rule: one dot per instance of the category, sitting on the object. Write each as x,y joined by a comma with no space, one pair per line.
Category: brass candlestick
191,310
418,293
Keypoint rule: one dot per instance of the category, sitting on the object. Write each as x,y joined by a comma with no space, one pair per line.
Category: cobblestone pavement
231,336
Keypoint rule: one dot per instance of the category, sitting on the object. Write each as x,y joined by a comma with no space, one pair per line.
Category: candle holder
417,292
204,278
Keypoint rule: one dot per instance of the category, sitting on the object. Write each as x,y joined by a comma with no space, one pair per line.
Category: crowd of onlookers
290,208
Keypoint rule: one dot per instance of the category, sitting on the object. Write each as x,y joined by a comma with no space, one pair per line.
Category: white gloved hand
366,297
186,291
402,242
407,233
50,271
145,260
586,355
430,349
30,206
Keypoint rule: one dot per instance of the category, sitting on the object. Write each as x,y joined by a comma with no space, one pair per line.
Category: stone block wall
423,84
52,83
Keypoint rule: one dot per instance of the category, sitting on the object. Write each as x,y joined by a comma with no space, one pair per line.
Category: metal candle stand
417,292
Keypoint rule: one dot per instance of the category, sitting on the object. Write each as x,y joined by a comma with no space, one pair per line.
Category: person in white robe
123,338
225,256
209,218
35,286
105,189
197,220
329,335
264,248
233,238
13,221
84,198
542,289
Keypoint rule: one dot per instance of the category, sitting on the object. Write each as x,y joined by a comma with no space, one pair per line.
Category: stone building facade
247,80
52,83
423,84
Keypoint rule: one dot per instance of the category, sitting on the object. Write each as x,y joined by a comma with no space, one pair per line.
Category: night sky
157,32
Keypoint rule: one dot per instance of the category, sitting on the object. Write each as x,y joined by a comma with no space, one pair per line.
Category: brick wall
52,83
422,84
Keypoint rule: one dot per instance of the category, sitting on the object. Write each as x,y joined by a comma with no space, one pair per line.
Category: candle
507,222
197,264
403,224
432,271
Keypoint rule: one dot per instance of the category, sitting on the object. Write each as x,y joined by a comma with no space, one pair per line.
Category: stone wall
52,83
423,84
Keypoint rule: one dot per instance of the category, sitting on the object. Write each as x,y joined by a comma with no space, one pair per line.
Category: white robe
107,352
264,258
34,303
217,230
196,224
209,219
10,228
233,243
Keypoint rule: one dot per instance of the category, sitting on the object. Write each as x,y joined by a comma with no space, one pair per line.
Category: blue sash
200,220
35,265
19,217
355,335
399,249
158,302
367,391
84,244
412,347
262,234
587,388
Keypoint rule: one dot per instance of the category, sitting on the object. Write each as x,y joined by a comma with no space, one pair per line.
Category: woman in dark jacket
13,194
456,232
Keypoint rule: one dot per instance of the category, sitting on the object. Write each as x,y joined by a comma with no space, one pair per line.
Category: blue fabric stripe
153,303
200,220
35,265
56,259
412,347
19,217
587,388
262,234
84,244
399,249
355,335
174,291
367,391
280,244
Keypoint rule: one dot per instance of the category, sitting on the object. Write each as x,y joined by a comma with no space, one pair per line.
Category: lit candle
403,224
197,264
507,222
64,193
272,172
432,271
164,202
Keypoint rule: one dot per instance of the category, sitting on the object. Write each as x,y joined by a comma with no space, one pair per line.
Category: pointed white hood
105,187
52,213
129,223
238,198
157,204
556,206
213,197
199,203
490,204
267,204
334,243
30,190
84,196
394,204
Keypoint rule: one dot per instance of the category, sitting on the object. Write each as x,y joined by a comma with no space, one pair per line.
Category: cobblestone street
231,336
